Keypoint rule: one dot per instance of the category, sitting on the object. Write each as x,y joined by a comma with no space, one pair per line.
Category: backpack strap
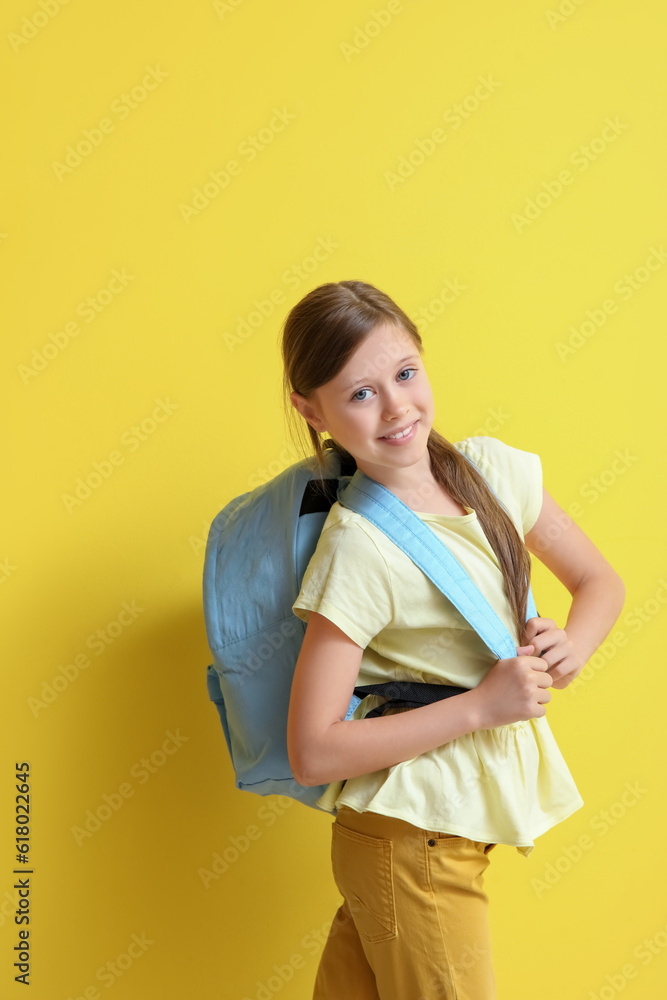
414,537
404,694
383,509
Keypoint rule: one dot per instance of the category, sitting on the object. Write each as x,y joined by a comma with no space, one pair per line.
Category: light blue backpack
257,551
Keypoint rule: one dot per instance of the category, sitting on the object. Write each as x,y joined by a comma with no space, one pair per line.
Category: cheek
426,399
365,423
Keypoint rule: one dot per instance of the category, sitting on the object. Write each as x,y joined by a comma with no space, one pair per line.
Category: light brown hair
318,336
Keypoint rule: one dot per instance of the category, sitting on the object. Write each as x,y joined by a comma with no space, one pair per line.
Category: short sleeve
515,475
347,580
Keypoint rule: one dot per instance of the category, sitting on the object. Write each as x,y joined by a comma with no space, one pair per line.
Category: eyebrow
358,381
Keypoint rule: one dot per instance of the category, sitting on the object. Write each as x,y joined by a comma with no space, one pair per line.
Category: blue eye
355,398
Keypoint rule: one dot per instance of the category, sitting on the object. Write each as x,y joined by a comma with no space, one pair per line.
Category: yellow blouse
504,785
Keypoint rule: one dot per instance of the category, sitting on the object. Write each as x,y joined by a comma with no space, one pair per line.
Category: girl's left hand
553,645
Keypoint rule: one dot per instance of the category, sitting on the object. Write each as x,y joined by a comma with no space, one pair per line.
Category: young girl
422,795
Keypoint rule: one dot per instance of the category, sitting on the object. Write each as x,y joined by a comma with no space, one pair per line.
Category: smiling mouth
397,435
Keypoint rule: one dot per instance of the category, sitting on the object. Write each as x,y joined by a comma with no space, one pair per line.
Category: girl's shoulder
342,516
503,459
350,537
343,523
514,474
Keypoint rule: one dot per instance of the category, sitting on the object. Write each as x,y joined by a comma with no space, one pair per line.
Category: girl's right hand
514,690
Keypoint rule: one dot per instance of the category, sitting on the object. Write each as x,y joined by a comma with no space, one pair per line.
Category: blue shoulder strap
383,509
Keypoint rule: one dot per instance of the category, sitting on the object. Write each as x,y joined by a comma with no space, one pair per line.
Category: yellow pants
414,921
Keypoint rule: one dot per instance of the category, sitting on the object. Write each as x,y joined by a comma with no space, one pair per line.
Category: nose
394,405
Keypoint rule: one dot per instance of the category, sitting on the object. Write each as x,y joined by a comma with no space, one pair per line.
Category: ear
308,411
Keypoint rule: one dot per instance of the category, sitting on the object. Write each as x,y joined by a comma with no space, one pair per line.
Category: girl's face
383,389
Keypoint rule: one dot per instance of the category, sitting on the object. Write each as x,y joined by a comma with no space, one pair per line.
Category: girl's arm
598,592
323,747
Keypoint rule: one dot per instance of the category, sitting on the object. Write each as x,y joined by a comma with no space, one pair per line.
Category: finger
543,624
538,624
541,666
542,652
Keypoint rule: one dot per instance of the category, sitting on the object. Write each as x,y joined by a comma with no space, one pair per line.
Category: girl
422,795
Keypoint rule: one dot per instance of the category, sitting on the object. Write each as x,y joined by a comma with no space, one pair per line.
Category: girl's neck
416,487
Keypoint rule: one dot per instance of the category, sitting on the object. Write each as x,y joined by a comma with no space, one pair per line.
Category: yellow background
362,97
